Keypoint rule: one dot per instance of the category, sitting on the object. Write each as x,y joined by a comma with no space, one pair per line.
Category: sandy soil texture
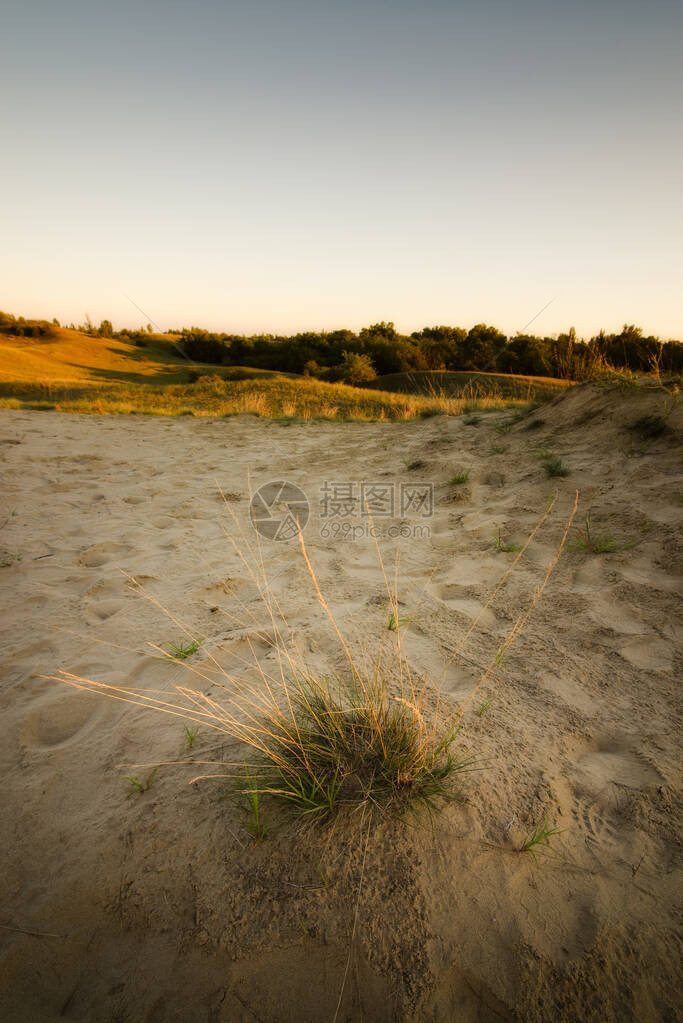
158,907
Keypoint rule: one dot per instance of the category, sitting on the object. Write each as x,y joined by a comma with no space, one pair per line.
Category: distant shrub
554,466
312,369
19,327
356,369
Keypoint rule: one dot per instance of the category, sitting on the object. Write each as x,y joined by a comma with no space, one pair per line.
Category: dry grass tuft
376,739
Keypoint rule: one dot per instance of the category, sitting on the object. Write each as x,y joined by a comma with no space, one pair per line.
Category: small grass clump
535,424
597,543
539,837
190,736
471,420
553,464
506,548
349,743
394,623
461,477
7,560
142,786
182,651
504,426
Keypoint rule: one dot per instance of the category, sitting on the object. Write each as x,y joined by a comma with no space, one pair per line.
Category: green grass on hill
74,372
71,356
472,385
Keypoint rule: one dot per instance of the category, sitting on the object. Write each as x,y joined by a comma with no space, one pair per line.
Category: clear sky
282,165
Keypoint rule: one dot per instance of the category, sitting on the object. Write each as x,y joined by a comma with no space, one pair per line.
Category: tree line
379,350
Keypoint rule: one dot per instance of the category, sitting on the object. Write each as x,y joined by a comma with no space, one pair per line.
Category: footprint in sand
642,574
242,650
479,526
603,779
472,571
107,586
458,598
649,654
614,759
103,553
591,576
494,479
443,531
223,588
568,690
155,671
163,522
104,609
29,660
609,612
60,718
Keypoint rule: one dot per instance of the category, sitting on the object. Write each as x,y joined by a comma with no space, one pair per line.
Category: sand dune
158,907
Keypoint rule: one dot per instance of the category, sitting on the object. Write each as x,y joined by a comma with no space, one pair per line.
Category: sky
286,165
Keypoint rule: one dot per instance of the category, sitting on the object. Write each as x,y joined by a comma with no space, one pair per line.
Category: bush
348,743
356,369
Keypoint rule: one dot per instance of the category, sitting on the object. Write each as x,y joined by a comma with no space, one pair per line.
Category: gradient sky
282,165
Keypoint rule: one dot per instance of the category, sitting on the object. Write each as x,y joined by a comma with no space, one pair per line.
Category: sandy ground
159,907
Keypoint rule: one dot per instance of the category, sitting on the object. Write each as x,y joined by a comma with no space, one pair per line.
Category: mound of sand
159,907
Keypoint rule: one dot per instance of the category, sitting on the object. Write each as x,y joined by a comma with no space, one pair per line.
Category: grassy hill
472,385
72,371
69,355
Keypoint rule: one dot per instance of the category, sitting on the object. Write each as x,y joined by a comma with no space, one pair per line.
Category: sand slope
158,907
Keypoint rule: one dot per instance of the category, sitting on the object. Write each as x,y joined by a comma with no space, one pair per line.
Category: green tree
386,331
312,369
356,369
481,346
